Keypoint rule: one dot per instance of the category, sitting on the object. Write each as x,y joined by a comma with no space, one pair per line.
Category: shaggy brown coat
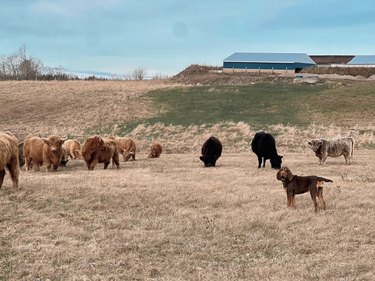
297,185
73,149
126,147
39,151
97,149
155,150
9,158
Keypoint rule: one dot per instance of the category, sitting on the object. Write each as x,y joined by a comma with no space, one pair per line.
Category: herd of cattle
54,151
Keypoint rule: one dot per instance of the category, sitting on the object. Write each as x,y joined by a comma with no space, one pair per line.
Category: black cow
211,151
264,146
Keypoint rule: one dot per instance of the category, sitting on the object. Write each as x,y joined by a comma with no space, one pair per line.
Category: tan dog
297,185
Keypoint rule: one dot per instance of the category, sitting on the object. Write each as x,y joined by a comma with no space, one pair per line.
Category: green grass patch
261,105
258,104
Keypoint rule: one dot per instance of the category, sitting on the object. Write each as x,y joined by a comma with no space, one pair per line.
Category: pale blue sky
166,36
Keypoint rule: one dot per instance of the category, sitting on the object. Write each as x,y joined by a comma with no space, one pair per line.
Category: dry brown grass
172,219
62,107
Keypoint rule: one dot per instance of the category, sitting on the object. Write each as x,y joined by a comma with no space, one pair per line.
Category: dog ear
289,174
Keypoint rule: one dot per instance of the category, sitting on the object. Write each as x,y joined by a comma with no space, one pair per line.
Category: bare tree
18,66
139,73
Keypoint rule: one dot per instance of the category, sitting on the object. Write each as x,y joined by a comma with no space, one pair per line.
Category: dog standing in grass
297,185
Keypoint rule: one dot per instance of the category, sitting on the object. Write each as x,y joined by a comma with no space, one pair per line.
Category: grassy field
171,218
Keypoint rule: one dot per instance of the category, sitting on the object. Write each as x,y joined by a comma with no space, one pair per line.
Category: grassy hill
172,219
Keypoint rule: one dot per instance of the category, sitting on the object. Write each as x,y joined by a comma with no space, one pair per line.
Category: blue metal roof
270,58
363,59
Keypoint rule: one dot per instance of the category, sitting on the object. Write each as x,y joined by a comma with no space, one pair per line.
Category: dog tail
324,179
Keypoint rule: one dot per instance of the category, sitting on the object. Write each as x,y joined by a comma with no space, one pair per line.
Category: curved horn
65,139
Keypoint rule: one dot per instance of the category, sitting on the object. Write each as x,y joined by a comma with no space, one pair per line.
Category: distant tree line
20,66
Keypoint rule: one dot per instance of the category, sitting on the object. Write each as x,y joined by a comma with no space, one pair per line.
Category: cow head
92,145
276,162
209,161
315,145
54,143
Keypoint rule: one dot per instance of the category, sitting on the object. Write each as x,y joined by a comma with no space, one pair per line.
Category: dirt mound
196,69
213,75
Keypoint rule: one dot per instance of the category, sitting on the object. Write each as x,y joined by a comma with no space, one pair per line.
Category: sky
166,36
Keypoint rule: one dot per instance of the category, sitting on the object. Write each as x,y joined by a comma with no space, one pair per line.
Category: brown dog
297,185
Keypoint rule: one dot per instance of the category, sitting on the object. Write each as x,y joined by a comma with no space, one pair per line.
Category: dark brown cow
155,150
97,149
333,148
9,158
73,149
211,151
126,147
39,150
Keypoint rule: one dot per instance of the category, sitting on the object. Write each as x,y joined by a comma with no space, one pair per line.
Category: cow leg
133,156
106,165
264,161
320,196
2,175
36,167
324,158
346,159
116,160
93,164
259,161
28,163
48,167
14,173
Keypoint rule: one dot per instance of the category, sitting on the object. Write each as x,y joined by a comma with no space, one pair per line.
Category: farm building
331,60
267,62
362,61
344,60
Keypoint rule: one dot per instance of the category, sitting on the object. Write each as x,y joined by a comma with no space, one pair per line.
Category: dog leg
313,193
293,202
320,196
289,200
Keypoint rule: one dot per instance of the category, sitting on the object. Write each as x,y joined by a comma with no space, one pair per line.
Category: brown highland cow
9,158
156,150
39,151
73,149
97,149
126,147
